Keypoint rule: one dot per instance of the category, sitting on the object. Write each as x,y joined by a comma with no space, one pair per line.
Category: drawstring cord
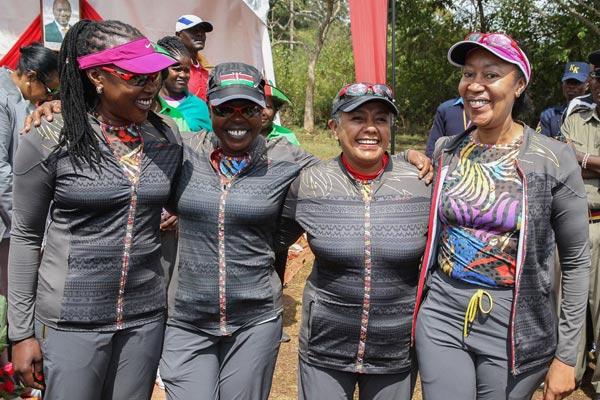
474,304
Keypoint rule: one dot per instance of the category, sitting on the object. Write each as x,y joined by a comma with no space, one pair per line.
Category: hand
168,221
423,164
27,361
560,381
45,110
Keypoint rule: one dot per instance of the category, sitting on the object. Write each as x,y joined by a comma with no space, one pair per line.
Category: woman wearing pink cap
503,198
90,309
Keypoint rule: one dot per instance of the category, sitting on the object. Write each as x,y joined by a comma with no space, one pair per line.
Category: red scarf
362,177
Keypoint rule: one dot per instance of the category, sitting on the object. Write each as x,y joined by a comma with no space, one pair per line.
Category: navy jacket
450,119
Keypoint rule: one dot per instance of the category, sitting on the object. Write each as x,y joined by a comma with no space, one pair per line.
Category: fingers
429,177
169,224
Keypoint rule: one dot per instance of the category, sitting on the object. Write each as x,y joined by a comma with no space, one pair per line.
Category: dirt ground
284,381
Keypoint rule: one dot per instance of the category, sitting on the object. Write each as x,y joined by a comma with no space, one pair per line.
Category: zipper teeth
222,264
364,322
520,269
125,258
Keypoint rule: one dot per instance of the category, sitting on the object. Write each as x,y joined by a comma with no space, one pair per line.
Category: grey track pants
317,383
196,365
101,365
452,367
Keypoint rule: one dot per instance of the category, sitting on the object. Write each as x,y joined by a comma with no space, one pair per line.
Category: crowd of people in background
146,219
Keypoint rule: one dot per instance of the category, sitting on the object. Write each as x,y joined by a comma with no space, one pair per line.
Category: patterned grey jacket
100,269
226,279
554,212
359,298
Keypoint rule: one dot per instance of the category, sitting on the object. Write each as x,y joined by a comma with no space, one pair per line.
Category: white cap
189,21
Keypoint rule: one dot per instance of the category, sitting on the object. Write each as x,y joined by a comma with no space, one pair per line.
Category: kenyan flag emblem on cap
236,78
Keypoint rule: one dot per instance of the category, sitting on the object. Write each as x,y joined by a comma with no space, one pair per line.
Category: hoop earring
99,89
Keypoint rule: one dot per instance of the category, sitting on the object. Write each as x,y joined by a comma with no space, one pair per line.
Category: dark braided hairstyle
78,95
174,46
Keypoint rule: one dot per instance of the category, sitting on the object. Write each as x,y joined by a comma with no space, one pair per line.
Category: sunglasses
131,78
362,89
595,73
247,111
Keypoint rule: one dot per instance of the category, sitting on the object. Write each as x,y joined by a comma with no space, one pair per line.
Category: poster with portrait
57,17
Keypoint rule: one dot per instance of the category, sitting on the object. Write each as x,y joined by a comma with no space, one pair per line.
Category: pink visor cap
137,56
499,44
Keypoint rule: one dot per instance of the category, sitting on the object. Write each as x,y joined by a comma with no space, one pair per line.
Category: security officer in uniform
581,128
574,84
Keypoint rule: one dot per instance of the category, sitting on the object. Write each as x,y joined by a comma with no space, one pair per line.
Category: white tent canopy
240,32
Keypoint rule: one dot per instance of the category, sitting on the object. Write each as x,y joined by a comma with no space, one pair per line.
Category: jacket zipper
364,320
222,264
519,268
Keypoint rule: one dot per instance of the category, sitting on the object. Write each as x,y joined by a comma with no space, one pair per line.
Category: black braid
174,46
78,95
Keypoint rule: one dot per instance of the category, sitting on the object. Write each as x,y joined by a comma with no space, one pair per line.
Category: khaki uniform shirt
582,128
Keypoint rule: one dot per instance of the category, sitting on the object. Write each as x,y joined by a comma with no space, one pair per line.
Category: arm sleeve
6,180
570,224
566,130
437,131
544,125
33,191
289,230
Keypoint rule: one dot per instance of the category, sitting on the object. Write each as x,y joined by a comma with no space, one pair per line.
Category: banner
368,24
240,32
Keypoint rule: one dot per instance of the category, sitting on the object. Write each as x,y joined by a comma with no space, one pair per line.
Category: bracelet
585,160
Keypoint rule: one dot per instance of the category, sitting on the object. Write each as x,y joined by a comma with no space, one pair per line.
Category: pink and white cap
499,44
137,56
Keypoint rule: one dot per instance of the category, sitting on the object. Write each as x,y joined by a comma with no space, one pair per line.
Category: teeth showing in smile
367,141
144,103
478,103
237,133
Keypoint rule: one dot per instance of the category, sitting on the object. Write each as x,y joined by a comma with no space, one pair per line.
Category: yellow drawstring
474,304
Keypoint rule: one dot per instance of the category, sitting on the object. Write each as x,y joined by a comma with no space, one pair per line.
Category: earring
99,89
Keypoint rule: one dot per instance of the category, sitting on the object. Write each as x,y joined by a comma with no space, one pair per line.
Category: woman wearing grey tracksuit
504,196
365,213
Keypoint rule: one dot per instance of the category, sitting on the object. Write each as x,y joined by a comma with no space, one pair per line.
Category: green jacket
279,130
190,116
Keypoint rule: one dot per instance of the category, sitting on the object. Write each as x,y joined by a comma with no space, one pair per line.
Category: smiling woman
506,198
90,312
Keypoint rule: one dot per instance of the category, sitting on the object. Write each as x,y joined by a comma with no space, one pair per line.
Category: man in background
192,31
574,84
450,119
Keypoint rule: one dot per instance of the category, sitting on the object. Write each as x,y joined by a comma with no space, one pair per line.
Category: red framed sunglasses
246,111
131,78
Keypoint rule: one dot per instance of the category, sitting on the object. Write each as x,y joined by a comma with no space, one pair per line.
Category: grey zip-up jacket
13,110
226,279
100,268
359,299
554,212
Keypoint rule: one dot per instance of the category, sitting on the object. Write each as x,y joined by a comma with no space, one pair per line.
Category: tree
326,12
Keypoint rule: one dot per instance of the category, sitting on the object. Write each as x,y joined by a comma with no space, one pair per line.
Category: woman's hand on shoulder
560,381
423,164
45,110
27,361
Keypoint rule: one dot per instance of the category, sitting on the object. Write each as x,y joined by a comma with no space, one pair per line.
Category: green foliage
551,32
3,324
334,69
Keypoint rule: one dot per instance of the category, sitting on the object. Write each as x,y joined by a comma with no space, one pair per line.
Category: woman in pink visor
504,199
87,313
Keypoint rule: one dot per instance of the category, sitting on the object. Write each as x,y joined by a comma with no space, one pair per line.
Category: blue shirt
550,121
450,119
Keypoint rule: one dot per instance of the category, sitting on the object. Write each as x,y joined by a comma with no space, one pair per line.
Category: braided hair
174,46
78,95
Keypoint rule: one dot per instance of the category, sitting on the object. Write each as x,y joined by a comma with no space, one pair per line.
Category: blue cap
576,70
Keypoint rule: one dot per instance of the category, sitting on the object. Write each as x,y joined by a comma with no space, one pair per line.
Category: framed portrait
57,17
